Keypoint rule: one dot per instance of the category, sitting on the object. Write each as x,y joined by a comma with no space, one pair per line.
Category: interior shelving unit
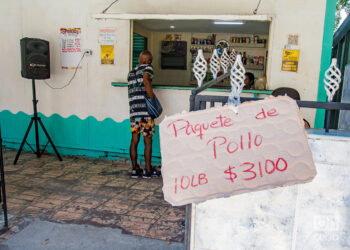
240,47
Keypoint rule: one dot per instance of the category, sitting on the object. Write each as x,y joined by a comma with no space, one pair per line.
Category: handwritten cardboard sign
216,153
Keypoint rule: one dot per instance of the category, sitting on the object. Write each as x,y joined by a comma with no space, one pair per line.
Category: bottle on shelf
244,58
213,38
210,40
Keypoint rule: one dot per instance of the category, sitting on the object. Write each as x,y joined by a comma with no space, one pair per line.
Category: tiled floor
88,191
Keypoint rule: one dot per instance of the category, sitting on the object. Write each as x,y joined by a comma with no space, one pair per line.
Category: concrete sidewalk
80,191
54,236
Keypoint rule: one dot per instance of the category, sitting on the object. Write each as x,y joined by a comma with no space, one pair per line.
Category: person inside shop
292,93
139,84
249,81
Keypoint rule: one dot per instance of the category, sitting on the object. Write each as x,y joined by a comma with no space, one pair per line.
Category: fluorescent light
229,22
172,27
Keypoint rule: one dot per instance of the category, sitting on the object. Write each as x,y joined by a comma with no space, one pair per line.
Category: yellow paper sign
107,54
215,153
290,60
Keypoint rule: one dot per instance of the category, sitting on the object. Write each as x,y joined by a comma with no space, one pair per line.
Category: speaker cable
75,71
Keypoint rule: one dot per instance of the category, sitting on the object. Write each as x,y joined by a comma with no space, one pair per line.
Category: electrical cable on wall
104,11
257,7
76,68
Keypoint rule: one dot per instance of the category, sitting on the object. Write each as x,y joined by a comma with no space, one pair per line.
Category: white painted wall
304,18
91,94
314,215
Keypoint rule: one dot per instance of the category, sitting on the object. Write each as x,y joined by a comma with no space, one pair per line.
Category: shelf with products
254,67
209,40
248,45
194,58
249,66
205,48
204,45
248,39
207,52
253,61
238,45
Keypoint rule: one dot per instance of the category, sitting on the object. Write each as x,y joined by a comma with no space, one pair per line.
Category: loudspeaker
35,58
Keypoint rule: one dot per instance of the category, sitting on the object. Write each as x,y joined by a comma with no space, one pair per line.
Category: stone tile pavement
87,191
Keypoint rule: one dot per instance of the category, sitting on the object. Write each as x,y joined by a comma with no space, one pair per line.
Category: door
139,44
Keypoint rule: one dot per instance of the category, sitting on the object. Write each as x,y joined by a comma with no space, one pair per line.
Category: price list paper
71,48
217,153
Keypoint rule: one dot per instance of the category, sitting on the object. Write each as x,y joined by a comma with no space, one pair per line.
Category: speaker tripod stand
36,120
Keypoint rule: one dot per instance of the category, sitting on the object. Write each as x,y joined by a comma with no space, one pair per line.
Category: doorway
138,45
250,38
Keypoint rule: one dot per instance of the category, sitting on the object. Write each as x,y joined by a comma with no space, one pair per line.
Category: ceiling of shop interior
205,26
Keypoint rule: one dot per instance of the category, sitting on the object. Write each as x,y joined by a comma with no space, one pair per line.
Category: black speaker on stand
35,59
